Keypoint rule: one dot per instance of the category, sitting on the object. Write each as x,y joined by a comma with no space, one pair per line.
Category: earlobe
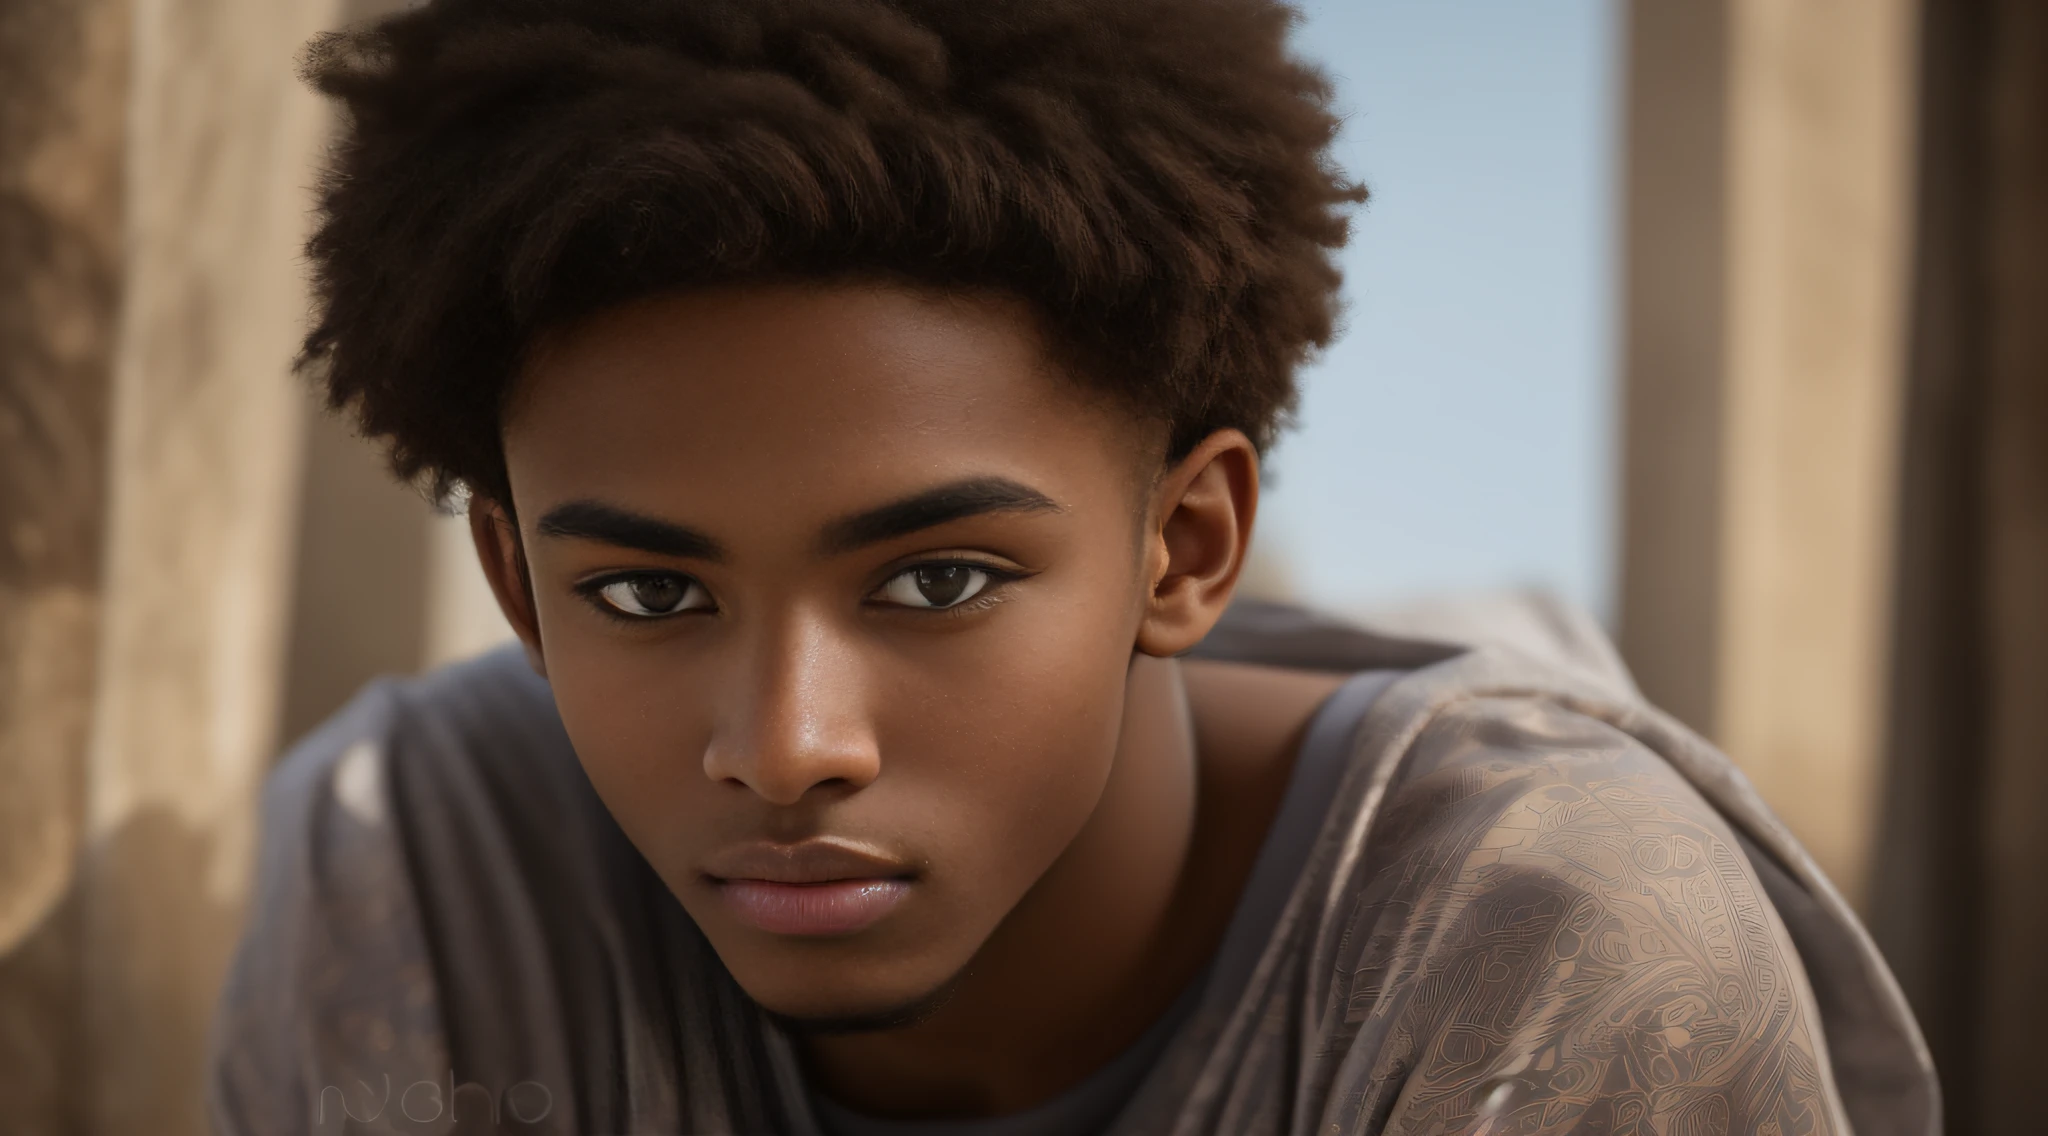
1204,512
498,550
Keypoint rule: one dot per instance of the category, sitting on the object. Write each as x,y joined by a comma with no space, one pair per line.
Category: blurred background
1725,321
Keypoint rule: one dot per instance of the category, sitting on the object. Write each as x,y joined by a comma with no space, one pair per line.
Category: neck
1089,958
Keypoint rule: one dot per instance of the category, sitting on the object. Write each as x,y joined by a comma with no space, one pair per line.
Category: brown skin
1075,836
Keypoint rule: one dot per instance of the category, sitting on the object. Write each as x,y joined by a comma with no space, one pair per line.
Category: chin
886,977
870,1019
838,1010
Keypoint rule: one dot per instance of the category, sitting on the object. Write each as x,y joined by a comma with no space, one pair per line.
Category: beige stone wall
1770,207
222,138
63,90
358,586
1820,169
187,576
148,493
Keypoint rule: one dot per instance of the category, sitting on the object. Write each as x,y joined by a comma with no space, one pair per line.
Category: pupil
942,586
658,593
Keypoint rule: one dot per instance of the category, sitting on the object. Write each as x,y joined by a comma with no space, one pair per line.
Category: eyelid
609,577
986,561
1003,572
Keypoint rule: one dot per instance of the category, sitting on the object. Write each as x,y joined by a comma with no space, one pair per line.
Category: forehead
809,401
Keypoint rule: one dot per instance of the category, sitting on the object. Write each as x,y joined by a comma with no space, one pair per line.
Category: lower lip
837,907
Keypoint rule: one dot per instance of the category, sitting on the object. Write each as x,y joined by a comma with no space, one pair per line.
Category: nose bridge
796,717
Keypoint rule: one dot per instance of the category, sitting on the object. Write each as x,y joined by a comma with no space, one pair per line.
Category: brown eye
935,585
654,595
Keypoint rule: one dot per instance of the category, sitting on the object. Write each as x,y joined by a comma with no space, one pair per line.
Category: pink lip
822,886
833,907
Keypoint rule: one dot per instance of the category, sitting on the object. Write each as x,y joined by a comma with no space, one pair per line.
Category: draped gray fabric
1530,899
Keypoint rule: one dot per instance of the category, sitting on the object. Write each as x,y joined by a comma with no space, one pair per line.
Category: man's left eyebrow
932,507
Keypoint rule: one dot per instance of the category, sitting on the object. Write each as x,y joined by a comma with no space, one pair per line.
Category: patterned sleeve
1552,931
327,1019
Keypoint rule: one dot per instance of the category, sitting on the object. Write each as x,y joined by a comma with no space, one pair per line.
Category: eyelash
591,590
999,580
995,593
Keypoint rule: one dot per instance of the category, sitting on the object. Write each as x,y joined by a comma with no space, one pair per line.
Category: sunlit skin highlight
841,599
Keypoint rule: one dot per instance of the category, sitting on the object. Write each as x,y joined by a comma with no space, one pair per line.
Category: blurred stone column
1769,193
359,582
154,161
222,141
63,103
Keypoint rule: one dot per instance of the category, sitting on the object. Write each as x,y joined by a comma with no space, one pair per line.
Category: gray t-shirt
1519,900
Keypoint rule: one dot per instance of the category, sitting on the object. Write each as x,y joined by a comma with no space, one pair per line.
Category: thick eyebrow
932,507
592,520
608,524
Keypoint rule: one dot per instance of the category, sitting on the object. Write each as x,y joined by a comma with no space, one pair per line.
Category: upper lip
815,861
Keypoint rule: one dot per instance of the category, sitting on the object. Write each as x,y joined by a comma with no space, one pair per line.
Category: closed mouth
833,907
817,887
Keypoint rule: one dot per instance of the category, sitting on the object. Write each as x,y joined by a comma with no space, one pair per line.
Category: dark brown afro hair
1149,175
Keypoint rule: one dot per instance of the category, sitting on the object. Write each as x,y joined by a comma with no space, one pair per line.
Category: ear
496,534
1198,528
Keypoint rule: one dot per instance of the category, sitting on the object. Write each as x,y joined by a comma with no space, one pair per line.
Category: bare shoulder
1551,927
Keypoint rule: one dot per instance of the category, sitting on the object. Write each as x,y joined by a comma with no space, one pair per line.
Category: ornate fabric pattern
1557,932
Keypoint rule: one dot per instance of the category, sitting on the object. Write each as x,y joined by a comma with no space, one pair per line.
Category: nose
795,718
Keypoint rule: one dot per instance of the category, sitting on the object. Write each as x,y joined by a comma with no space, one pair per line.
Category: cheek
639,733
1003,742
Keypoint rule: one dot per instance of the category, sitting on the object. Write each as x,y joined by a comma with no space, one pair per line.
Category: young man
859,405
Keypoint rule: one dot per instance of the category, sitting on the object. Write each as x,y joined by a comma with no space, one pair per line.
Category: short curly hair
1151,176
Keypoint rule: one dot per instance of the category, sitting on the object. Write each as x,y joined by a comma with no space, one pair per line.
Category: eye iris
943,585
657,593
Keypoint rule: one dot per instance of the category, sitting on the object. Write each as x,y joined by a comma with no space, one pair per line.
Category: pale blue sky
1459,435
